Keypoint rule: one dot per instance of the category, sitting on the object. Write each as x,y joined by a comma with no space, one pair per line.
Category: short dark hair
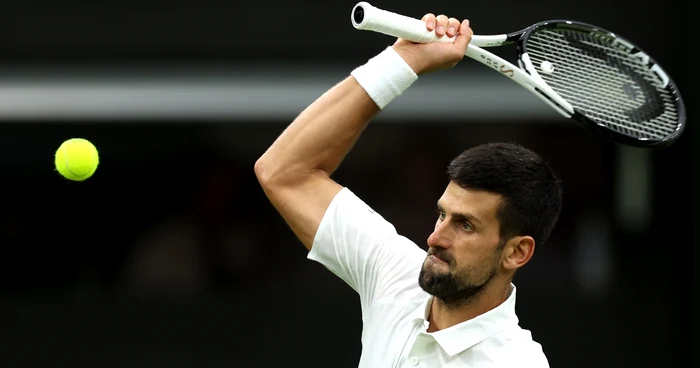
531,191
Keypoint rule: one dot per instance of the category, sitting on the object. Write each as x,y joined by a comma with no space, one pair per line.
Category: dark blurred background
171,256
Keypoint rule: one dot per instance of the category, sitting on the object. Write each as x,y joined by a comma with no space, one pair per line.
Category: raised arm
296,170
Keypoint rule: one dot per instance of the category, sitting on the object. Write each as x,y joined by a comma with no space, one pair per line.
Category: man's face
465,248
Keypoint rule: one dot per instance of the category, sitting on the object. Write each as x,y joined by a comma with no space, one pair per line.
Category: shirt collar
462,336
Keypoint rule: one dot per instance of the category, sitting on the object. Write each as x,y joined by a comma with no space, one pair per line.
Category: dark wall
287,31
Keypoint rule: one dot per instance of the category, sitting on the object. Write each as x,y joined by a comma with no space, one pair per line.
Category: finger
429,20
464,37
441,25
452,27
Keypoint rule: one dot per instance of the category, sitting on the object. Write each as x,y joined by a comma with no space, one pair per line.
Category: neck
443,315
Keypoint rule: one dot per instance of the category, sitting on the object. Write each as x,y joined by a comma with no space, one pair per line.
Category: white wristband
385,76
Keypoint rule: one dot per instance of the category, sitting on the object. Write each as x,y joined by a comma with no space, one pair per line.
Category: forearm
323,134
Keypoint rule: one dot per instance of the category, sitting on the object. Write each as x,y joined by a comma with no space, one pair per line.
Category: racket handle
369,18
366,17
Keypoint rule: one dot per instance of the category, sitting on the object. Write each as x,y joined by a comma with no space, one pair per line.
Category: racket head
616,89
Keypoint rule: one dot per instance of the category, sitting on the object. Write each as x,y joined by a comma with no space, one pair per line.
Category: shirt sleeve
363,249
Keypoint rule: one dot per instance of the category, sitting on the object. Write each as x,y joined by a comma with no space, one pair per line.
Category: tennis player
454,305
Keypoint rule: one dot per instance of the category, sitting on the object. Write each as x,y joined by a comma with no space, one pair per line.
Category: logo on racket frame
499,67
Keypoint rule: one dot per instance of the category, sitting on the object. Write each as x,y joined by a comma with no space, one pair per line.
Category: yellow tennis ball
77,159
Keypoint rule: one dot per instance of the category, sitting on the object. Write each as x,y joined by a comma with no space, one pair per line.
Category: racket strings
587,92
610,72
608,85
603,73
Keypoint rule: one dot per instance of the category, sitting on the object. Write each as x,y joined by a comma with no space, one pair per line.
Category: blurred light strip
263,93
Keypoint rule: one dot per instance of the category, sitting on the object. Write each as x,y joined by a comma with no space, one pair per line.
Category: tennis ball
77,159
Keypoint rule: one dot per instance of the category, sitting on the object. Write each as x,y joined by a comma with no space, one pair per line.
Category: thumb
464,36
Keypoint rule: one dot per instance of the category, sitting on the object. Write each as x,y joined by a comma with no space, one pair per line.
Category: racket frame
632,49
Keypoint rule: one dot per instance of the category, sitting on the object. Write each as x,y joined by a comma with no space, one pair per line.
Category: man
455,305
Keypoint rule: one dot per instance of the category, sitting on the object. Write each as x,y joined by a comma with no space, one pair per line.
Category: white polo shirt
359,246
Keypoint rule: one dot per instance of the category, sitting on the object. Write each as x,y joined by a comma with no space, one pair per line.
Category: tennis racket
586,73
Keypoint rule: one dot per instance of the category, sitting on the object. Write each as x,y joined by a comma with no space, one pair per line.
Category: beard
455,286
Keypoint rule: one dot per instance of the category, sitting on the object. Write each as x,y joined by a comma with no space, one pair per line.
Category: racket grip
369,18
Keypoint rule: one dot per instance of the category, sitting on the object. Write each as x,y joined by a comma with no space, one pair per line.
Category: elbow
270,174
263,172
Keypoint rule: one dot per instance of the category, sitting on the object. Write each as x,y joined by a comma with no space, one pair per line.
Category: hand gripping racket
588,74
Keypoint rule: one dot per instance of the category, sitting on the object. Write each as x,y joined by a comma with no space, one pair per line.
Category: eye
441,214
467,226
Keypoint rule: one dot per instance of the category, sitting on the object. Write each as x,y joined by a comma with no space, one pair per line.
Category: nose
440,236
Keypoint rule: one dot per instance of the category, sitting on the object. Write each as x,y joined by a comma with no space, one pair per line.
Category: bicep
303,206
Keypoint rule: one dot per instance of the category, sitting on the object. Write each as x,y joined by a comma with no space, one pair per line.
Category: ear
518,252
